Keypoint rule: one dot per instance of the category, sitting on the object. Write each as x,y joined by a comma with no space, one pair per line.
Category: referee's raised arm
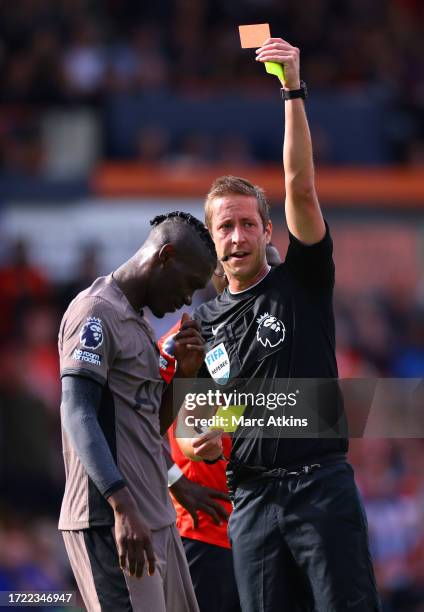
303,213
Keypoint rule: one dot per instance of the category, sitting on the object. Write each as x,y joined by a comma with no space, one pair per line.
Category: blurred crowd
377,337
84,52
61,51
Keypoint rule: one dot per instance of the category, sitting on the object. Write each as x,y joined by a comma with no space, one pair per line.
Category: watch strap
292,94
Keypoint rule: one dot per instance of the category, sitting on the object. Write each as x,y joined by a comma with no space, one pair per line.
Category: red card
254,36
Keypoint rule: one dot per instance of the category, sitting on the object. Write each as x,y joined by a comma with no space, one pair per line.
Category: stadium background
114,111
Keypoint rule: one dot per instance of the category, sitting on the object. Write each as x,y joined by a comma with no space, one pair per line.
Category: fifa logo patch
163,363
218,364
271,331
91,334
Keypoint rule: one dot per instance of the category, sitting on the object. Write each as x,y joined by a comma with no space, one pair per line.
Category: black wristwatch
292,94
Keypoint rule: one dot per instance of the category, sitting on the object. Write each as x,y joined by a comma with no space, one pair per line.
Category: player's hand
189,348
279,51
209,445
133,537
194,497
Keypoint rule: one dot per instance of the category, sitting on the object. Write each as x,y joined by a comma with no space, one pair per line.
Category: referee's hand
280,51
133,537
208,446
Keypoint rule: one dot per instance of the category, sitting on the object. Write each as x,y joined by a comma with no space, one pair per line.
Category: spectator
22,284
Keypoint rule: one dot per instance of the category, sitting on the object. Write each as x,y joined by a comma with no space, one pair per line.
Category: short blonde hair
225,185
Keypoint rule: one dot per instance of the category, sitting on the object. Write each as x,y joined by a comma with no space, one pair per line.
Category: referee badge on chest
218,364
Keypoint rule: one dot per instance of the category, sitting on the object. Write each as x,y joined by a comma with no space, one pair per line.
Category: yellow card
229,418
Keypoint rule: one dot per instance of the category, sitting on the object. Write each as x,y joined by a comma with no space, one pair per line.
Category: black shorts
212,573
301,544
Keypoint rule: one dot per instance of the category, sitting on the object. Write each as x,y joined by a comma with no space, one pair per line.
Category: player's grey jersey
102,337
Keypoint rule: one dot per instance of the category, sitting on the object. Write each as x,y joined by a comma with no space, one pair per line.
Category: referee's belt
239,474
283,473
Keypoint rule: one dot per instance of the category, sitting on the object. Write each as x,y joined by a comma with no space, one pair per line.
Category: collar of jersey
237,295
127,310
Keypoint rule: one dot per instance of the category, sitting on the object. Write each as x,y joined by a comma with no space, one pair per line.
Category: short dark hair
199,228
225,185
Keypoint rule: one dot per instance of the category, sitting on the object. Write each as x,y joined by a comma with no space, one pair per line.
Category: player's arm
81,398
303,213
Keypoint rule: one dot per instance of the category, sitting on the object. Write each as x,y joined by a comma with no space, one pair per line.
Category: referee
298,528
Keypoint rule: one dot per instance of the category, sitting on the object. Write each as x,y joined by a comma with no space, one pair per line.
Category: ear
268,232
166,253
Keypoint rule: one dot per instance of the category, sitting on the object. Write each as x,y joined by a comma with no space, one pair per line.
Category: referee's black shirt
283,327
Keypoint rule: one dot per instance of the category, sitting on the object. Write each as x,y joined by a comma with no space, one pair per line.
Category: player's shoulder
98,300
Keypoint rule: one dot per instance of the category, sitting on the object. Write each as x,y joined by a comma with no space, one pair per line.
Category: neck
236,285
130,278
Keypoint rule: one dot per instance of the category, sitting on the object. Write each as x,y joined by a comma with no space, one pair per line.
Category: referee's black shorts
301,544
212,574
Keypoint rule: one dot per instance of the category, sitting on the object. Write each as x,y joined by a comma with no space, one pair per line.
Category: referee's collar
252,290
251,286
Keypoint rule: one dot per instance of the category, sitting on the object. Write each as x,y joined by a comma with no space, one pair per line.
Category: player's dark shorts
212,573
301,544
